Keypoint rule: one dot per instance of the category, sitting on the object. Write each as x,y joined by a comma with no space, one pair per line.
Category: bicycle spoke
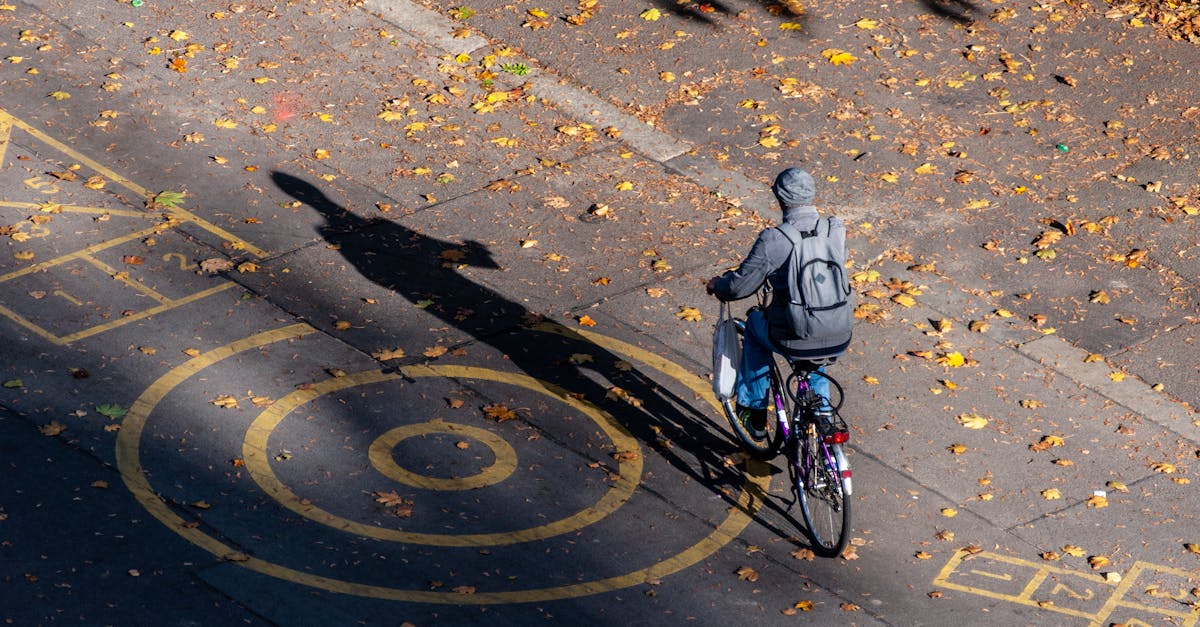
823,500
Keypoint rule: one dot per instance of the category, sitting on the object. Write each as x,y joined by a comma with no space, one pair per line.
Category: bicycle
811,440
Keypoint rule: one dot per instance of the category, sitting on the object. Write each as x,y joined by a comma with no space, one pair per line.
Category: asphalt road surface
380,313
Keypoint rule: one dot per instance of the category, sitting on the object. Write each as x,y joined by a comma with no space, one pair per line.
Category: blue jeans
753,381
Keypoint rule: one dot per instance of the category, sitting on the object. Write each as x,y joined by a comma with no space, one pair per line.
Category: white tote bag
727,354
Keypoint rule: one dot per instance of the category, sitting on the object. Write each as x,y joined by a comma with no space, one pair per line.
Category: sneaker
754,420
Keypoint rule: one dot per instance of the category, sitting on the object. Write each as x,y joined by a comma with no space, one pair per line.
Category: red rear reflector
837,437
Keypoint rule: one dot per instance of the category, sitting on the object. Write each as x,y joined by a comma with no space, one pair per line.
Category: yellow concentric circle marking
380,454
254,451
129,463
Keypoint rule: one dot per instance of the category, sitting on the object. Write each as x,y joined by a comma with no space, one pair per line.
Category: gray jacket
767,262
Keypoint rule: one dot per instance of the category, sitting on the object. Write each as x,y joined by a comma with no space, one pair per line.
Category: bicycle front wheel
764,447
823,484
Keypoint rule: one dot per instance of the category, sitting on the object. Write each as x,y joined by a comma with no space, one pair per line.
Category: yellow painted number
1086,596
42,185
183,262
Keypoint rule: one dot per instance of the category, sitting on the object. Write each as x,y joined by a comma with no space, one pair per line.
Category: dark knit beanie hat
794,188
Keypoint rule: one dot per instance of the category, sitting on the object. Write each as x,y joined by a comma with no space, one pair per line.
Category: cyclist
767,330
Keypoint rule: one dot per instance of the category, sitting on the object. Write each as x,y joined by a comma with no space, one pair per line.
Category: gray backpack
820,300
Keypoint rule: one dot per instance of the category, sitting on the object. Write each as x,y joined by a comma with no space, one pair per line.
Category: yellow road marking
123,277
67,297
183,214
254,452
123,213
129,437
5,133
22,321
1040,572
380,455
1004,577
79,254
141,315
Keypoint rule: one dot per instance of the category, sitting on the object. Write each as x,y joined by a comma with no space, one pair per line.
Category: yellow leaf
1097,562
1047,442
691,314
435,351
1073,550
388,354
1163,467
624,186
224,123
865,276
538,13
59,95
904,299
666,77
979,204
889,177
52,428
498,412
925,168
957,449
650,15
1119,486
843,58
1117,376
952,360
178,35
770,141
745,573
804,606
790,26
226,401
867,24
869,380
1051,494
838,57
1192,548
586,321
949,512
1097,501
972,421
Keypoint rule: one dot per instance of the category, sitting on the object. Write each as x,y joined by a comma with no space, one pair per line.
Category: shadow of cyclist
426,270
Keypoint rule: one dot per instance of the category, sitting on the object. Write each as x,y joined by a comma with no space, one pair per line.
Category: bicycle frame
832,457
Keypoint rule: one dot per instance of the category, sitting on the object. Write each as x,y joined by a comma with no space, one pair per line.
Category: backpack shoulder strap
794,235
790,232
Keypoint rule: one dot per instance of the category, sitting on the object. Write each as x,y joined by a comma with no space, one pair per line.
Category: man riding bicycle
768,330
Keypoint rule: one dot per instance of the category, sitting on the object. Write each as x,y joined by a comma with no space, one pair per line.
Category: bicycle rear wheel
825,497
